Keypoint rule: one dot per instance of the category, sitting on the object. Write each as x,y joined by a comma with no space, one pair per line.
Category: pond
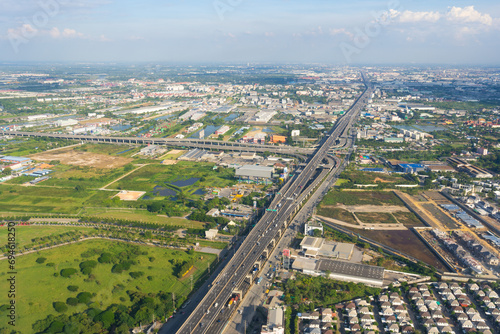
121,127
200,192
231,117
185,183
210,129
164,117
162,191
268,130
130,149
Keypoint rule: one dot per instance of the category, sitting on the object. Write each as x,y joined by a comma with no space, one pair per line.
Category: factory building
254,172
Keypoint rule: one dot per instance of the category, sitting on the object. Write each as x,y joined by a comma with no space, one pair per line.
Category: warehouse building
254,172
341,270
352,272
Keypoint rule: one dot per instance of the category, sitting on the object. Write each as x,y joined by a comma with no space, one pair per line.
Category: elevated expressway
186,142
211,314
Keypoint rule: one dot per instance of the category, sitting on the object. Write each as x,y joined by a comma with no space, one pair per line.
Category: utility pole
191,277
208,267
173,299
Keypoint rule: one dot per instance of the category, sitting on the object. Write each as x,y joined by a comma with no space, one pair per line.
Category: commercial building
254,172
211,234
314,247
222,130
411,168
15,160
150,150
278,139
311,226
275,323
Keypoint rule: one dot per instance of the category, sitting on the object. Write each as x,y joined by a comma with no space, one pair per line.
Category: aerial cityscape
269,167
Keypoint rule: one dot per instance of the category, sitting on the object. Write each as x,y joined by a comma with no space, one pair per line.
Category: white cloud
66,33
341,31
411,17
468,15
26,31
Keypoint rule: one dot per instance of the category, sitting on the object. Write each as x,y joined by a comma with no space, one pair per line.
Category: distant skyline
337,32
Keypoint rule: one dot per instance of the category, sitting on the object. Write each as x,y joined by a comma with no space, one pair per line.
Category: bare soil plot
406,242
436,197
79,158
126,195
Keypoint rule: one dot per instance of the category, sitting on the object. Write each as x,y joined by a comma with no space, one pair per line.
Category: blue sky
201,31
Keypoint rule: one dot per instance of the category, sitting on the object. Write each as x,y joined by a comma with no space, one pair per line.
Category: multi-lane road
211,314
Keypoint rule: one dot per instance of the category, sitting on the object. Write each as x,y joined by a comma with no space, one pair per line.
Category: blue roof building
411,168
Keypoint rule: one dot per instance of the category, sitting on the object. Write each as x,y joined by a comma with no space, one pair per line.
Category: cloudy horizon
239,31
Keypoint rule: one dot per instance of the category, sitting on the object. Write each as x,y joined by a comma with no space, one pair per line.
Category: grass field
376,218
341,182
24,234
87,177
408,218
146,178
337,213
37,287
41,200
140,215
360,177
361,198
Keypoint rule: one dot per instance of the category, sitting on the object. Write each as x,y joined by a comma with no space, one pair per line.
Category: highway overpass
211,314
186,143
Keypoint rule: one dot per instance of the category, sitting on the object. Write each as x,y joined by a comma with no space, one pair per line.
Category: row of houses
462,255
461,307
475,247
317,322
358,316
393,311
488,299
429,310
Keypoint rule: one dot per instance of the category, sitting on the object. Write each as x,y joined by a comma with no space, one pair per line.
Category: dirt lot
406,242
78,158
125,195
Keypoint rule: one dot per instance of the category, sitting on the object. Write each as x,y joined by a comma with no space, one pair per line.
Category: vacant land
41,200
173,154
83,176
141,216
361,198
360,177
75,157
197,175
37,281
406,242
336,213
408,219
376,218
